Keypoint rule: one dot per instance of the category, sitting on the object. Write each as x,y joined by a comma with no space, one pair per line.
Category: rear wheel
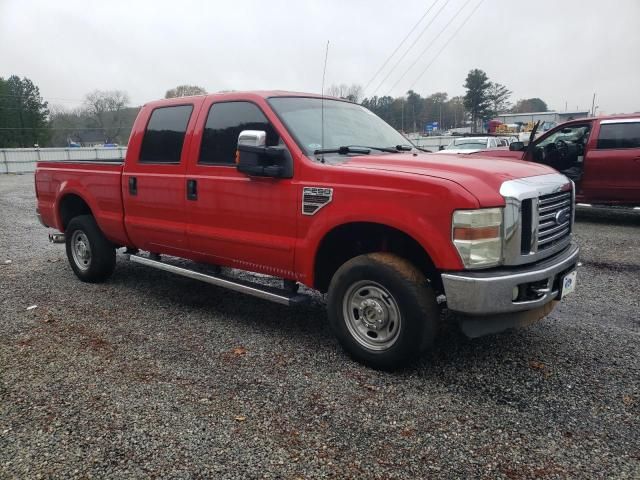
91,256
382,309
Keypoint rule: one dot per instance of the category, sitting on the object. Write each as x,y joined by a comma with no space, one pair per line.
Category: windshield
467,143
345,124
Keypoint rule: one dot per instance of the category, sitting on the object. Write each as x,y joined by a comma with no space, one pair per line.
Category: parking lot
155,375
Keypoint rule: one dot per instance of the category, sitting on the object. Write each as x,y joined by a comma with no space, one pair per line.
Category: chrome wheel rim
81,250
372,315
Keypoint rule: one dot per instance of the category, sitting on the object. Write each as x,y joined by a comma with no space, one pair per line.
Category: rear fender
110,222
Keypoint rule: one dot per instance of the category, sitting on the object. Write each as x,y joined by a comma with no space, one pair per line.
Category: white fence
432,142
23,160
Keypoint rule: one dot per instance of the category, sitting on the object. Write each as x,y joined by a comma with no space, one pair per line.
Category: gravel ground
152,375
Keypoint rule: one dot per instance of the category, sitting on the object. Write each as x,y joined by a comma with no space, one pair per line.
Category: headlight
477,234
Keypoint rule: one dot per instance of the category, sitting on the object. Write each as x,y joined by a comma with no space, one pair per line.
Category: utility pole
593,104
413,113
402,121
21,120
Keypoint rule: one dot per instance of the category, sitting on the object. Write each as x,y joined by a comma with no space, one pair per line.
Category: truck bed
98,182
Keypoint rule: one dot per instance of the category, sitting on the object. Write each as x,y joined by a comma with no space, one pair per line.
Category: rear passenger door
237,220
612,164
153,185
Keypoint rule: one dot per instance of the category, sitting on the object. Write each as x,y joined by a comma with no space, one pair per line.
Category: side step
277,295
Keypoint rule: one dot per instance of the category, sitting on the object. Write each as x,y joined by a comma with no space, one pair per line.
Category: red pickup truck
322,192
601,155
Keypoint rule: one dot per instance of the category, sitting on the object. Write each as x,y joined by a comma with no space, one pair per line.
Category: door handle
133,186
192,189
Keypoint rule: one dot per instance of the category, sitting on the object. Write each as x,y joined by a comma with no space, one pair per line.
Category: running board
261,291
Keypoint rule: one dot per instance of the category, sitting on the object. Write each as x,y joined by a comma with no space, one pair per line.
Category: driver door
548,150
234,219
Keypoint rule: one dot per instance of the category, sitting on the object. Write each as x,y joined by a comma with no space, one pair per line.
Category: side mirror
255,138
516,146
255,159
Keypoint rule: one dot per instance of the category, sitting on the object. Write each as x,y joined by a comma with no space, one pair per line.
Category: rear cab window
164,136
617,134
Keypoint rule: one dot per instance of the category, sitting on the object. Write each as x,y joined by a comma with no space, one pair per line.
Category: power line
445,45
398,47
50,98
429,45
55,99
411,46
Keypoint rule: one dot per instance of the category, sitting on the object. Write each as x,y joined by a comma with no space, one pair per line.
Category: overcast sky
559,50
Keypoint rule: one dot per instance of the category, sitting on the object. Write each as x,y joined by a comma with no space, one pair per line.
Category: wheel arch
71,205
348,240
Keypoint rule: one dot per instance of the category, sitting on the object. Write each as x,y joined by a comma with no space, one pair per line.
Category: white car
506,141
470,144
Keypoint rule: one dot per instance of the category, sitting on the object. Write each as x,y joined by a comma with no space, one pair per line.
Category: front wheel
382,309
91,256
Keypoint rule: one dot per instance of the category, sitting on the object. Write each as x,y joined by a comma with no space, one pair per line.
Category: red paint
256,223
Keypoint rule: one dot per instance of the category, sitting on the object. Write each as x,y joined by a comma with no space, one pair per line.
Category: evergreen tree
476,100
23,114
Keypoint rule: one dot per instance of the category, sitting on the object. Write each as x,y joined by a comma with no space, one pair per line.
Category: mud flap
478,326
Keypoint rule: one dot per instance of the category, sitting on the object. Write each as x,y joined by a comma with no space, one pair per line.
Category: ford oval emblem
563,216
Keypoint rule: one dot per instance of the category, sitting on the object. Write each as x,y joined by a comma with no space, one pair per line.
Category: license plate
568,283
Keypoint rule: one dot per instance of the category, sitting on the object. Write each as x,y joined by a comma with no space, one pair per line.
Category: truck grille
554,219
538,217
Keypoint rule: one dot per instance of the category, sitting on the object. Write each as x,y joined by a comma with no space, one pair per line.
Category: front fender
421,217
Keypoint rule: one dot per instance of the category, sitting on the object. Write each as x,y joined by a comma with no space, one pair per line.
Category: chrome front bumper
490,292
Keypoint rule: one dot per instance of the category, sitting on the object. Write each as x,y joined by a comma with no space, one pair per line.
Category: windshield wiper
344,150
405,148
363,149
395,149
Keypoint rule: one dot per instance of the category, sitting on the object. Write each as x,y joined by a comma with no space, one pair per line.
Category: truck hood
481,176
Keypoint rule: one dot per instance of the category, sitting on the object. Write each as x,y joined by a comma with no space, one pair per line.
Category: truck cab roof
242,94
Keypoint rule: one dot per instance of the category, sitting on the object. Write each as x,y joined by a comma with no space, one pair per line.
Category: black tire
101,261
410,295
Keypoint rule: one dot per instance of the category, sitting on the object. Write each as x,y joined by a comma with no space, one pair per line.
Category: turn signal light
476,233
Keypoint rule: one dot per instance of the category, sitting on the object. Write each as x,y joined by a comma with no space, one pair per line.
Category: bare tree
351,92
185,91
105,108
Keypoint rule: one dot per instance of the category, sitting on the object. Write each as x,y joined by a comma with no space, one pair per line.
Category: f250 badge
314,198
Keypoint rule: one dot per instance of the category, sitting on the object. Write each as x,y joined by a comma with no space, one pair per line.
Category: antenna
324,71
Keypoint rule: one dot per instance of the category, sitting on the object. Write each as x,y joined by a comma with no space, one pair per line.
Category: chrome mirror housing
253,138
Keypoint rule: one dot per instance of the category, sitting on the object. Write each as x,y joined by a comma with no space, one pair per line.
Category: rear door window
224,123
164,137
619,135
